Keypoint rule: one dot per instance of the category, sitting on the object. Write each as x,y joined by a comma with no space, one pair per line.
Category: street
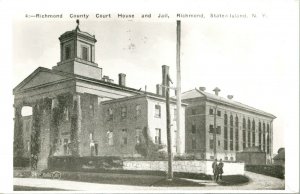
257,182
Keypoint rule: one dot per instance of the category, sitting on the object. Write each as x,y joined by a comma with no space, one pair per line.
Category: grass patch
109,178
176,182
233,180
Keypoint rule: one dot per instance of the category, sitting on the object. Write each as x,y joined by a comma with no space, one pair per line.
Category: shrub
75,163
269,170
21,162
148,149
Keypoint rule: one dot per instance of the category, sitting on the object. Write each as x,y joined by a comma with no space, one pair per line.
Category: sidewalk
257,182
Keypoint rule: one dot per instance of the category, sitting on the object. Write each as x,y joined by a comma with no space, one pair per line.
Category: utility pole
166,93
180,144
169,137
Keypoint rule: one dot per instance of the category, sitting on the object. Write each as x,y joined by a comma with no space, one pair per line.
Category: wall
184,166
116,124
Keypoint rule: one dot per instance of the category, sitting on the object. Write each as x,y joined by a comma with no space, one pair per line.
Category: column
54,126
35,135
18,132
76,125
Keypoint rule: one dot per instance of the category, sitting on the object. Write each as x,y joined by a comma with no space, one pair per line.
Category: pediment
40,77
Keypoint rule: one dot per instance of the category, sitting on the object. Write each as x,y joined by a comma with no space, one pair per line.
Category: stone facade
238,126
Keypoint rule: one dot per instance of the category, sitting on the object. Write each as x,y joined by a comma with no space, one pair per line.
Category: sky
249,59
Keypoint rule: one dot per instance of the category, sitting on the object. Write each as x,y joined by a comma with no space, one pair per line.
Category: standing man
215,169
220,169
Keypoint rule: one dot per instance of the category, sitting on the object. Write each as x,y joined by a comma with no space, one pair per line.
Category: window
231,138
248,139
268,139
236,133
225,119
193,143
236,121
193,128
211,157
226,158
219,143
92,110
249,124
259,135
110,114
219,130
138,110
244,123
211,128
193,111
264,137
225,138
158,136
157,111
219,113
68,52
123,112
138,136
231,158
110,136
211,111
244,139
124,137
231,120
84,54
211,144
253,139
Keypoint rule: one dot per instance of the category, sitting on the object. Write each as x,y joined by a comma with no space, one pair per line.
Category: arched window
253,125
264,137
225,119
236,121
259,135
249,124
244,123
253,133
231,120
236,133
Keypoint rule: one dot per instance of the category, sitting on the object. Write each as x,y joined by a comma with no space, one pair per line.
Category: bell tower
77,54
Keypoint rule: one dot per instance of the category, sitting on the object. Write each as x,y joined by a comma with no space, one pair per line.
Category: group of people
217,169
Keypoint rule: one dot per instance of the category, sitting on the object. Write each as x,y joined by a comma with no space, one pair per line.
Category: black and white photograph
114,98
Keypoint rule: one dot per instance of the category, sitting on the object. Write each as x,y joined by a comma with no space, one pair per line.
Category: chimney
158,89
229,97
122,79
217,90
165,72
202,89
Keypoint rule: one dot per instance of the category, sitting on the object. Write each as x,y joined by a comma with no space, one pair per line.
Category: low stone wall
192,166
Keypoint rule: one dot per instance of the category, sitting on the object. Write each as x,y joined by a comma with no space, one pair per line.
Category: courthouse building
238,126
78,111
